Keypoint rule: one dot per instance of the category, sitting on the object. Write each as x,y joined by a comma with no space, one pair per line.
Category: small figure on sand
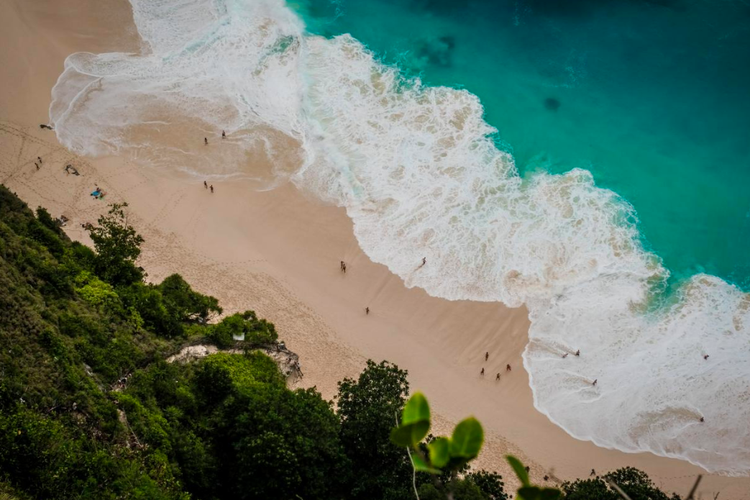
70,169
578,352
44,126
36,165
424,261
546,478
343,267
482,372
212,188
702,419
205,141
486,355
705,356
528,469
205,184
593,472
367,310
497,377
565,355
507,368
595,381
40,159
223,135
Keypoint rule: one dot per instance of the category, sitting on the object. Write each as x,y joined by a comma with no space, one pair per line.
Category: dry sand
278,253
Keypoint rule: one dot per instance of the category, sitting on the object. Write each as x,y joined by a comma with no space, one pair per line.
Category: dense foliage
89,409
636,484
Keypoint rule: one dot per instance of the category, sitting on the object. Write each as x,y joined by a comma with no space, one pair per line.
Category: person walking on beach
482,372
486,355
507,368
578,352
595,381
36,165
705,356
497,377
205,141
702,419
593,472
205,184
212,188
223,135
367,310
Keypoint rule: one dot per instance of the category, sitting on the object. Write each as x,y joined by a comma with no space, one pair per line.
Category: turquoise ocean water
652,97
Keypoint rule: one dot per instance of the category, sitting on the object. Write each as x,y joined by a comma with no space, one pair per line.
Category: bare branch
695,487
617,489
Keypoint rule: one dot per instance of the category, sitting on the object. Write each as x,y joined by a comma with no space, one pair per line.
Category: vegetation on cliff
90,409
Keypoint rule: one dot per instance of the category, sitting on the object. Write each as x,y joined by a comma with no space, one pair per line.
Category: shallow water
653,98
421,174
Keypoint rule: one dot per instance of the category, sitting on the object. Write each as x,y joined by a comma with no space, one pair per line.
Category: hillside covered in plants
90,409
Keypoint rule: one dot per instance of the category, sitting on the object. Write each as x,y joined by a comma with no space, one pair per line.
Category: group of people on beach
205,143
497,375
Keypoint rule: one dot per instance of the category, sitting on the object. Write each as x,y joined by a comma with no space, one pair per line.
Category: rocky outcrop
287,361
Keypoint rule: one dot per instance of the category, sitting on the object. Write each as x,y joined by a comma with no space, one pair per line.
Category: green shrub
186,304
96,292
244,326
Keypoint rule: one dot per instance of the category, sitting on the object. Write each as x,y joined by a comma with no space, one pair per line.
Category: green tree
635,483
368,408
186,304
151,306
118,246
490,483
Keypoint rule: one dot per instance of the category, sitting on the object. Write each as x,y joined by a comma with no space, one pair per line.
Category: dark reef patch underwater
551,104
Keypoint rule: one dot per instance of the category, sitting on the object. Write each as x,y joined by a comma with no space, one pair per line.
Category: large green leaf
537,493
415,422
416,410
550,494
440,451
410,434
519,469
421,465
467,439
529,493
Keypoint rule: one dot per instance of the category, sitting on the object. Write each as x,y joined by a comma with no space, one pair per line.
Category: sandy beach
278,252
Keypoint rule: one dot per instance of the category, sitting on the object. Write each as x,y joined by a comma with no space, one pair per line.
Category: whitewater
419,173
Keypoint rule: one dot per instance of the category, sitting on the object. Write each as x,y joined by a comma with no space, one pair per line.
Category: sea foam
417,170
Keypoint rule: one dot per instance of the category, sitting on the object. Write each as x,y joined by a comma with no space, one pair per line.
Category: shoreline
277,252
